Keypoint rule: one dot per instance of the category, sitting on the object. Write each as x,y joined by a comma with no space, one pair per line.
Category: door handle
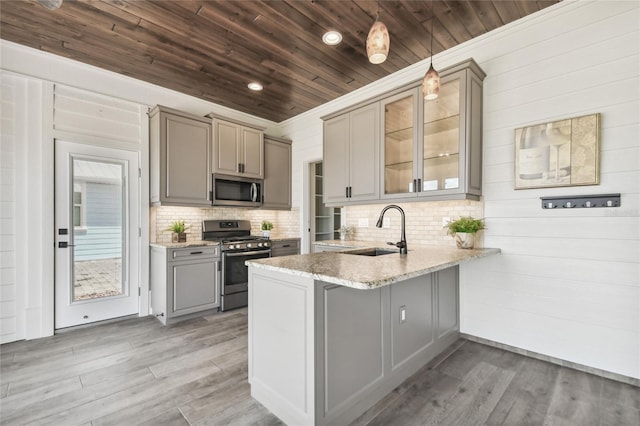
64,244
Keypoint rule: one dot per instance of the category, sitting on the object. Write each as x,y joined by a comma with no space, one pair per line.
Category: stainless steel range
236,245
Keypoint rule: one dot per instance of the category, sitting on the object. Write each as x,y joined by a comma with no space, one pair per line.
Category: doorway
324,221
97,254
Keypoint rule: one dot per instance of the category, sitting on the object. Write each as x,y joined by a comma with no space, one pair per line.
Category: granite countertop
198,243
365,272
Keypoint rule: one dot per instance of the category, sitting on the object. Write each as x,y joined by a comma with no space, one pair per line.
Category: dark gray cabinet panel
353,351
277,174
412,321
448,306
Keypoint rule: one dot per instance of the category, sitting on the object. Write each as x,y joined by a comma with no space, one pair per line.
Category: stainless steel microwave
236,191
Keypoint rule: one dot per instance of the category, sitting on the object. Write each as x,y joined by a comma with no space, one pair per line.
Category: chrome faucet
402,244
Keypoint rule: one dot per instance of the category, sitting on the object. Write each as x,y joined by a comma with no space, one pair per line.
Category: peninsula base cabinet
330,352
184,281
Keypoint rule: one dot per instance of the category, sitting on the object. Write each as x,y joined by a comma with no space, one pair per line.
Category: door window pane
98,246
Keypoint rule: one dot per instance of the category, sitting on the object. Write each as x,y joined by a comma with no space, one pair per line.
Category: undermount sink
372,252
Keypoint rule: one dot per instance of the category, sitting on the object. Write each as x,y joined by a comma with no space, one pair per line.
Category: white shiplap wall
8,288
567,283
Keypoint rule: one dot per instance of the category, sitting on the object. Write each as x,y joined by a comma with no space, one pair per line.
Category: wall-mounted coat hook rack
581,201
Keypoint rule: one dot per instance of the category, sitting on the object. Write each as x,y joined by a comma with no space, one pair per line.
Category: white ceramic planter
464,240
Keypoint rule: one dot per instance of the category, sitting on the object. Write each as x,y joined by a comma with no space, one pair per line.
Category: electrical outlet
363,223
386,222
446,220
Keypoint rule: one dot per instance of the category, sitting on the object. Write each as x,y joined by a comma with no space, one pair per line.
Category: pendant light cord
433,15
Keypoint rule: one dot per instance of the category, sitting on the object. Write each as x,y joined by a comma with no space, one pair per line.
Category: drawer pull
196,252
286,245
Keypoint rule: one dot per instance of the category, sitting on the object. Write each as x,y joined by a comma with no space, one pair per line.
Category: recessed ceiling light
255,86
331,38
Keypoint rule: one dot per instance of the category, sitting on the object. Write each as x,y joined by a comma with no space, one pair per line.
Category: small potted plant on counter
178,229
266,227
346,232
464,231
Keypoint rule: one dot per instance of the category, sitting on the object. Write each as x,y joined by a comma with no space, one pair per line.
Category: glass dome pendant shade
378,43
431,84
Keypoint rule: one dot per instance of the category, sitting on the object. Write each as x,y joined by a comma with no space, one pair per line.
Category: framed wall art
558,153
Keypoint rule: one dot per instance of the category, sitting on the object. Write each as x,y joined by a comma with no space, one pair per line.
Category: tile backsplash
286,223
424,221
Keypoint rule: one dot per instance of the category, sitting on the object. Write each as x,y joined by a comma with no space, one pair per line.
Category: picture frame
558,153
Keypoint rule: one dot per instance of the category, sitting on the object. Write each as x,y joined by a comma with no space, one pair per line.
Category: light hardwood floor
136,371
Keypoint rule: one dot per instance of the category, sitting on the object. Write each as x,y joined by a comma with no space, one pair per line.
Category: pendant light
431,82
378,41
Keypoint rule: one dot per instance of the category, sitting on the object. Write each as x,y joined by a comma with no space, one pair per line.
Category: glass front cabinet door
433,149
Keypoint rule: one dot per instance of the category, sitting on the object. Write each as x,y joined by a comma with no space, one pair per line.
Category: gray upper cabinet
403,147
433,149
277,173
238,150
180,158
351,160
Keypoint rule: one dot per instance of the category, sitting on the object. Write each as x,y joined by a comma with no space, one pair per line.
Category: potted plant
346,232
178,229
464,230
266,227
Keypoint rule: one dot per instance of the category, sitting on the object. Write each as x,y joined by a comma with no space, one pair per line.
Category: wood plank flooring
137,371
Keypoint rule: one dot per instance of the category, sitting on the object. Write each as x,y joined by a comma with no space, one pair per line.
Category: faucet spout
402,244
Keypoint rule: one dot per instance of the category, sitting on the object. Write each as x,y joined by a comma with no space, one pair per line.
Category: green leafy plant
465,224
266,225
178,227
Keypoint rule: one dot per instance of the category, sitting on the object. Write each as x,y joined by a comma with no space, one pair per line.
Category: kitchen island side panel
281,345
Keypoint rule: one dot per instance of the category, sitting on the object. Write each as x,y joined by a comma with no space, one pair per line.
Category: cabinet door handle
413,187
349,192
239,167
196,252
286,245
346,192
419,187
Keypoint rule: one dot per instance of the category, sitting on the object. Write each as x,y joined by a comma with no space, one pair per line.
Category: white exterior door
97,227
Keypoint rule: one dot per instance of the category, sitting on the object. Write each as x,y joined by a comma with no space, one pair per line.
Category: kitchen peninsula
332,333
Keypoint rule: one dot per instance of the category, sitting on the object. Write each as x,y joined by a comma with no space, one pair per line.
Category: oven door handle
246,253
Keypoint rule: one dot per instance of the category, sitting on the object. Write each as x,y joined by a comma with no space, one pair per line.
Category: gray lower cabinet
277,174
340,349
179,158
369,341
286,247
184,281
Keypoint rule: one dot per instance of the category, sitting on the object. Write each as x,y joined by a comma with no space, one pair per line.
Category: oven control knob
249,245
259,244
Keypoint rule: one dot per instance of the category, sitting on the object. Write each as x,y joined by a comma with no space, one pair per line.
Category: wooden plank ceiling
213,49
